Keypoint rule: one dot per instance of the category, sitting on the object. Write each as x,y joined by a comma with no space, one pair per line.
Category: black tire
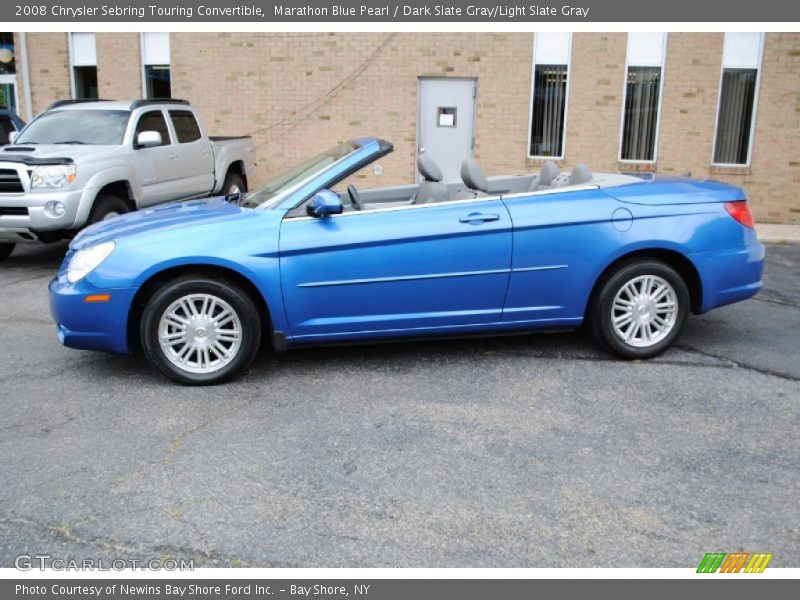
238,300
6,250
106,206
600,312
233,181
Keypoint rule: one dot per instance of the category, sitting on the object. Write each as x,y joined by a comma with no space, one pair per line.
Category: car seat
431,188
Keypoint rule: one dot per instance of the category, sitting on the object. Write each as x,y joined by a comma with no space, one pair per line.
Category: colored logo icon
737,562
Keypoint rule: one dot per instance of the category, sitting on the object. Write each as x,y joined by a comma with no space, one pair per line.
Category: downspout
26,74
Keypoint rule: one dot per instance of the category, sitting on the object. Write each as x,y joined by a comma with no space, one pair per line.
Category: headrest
429,170
580,174
548,173
472,175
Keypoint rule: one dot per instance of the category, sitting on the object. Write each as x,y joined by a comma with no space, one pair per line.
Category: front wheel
105,207
6,250
200,331
640,310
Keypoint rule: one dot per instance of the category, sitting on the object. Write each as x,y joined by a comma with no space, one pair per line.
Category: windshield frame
367,150
77,115
276,200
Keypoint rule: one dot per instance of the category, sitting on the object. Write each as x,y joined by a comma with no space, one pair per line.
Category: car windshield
97,127
272,192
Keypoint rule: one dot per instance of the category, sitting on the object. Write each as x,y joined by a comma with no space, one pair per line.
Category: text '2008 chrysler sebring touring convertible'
197,285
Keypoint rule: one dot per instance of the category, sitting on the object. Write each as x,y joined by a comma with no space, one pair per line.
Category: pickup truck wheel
107,206
200,331
234,184
6,250
640,310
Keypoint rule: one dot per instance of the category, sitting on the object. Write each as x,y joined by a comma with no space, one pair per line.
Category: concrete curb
778,234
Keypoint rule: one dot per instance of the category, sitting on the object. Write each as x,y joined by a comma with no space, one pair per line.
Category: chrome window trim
479,199
558,190
397,208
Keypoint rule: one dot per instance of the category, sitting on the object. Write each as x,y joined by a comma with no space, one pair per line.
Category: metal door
431,268
446,122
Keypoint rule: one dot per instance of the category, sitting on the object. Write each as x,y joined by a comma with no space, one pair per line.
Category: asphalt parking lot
530,451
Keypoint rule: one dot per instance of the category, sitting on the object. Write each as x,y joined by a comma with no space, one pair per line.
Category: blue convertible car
197,285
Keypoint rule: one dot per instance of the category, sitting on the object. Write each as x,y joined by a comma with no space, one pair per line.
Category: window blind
734,122
641,113
549,108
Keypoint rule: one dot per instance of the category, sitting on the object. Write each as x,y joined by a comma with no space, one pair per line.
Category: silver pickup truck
83,161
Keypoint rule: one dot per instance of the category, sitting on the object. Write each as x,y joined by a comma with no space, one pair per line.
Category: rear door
417,270
195,162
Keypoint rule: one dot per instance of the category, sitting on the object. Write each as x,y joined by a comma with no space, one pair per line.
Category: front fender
101,179
261,270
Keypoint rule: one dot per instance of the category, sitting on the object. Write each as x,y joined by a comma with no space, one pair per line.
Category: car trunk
664,190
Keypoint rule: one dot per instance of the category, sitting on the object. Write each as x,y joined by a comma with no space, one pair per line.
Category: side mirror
148,139
12,135
324,204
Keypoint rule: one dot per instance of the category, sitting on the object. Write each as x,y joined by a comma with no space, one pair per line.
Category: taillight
741,212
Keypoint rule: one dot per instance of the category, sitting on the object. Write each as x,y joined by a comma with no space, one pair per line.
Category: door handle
173,157
477,218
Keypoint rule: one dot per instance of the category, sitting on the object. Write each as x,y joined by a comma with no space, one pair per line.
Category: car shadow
40,256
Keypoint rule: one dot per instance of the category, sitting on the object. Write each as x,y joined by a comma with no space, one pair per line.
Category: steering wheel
354,198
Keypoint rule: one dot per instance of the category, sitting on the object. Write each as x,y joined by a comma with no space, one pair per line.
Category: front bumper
90,325
730,276
37,214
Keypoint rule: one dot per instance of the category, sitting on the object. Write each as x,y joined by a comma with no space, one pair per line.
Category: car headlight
87,260
53,176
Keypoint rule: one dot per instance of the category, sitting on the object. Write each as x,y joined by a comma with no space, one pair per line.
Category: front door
446,122
433,268
157,166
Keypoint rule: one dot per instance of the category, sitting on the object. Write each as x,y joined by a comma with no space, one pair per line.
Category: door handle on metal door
477,218
173,157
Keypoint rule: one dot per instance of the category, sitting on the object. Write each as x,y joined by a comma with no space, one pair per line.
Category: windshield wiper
69,142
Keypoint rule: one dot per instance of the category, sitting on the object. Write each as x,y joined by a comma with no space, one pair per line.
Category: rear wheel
6,250
105,207
234,184
200,331
640,310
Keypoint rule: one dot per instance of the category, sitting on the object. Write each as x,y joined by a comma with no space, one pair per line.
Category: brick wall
300,92
595,100
774,181
119,65
48,61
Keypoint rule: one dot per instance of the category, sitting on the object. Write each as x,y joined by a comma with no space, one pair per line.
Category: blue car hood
181,217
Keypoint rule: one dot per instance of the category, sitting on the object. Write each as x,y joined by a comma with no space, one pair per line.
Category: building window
83,60
8,65
549,91
738,91
643,85
8,68
156,65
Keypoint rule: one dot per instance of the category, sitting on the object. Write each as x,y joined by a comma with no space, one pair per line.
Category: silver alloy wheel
111,215
234,189
644,311
200,333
